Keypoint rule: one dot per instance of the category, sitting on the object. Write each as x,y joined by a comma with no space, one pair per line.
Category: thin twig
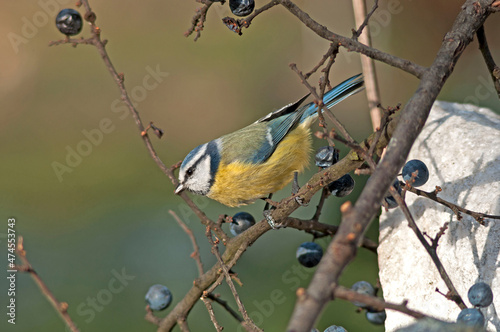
386,117
319,207
375,302
315,226
351,44
325,79
331,50
326,111
215,250
245,22
431,250
150,317
488,59
360,14
60,307
72,42
198,20
478,216
226,306
211,313
435,239
236,25
196,253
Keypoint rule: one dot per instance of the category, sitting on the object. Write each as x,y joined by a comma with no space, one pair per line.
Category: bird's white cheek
201,180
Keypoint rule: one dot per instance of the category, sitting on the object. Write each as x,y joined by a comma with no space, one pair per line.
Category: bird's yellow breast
240,183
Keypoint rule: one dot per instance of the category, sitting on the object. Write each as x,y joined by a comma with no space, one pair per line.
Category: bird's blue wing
331,98
287,109
276,125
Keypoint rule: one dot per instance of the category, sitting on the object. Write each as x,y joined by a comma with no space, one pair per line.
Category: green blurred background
109,215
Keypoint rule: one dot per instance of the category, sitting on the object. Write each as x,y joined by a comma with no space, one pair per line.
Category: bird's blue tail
345,89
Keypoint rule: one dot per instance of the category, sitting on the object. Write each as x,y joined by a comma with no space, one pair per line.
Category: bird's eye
189,171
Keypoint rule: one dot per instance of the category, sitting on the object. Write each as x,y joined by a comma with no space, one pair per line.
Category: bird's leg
295,189
266,207
270,219
268,210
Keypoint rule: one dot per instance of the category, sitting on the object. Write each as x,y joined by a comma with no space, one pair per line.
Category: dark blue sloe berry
69,22
391,201
326,156
471,317
342,187
335,328
158,297
241,222
309,254
376,318
242,7
480,295
363,287
422,175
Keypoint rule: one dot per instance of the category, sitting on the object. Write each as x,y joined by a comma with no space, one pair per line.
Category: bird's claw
270,219
300,201
296,188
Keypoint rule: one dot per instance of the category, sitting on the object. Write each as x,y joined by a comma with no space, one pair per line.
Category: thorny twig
225,272
225,305
196,253
374,302
431,250
435,240
351,44
60,307
319,101
478,216
198,21
211,313
245,22
488,59
359,7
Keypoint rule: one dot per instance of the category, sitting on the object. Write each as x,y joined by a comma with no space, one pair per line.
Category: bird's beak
179,189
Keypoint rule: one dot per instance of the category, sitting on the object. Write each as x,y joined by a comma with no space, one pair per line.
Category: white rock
460,145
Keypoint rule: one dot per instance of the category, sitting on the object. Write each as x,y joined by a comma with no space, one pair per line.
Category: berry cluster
415,173
480,296
373,316
325,157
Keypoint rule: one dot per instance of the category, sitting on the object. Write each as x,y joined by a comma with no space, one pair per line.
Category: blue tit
250,163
